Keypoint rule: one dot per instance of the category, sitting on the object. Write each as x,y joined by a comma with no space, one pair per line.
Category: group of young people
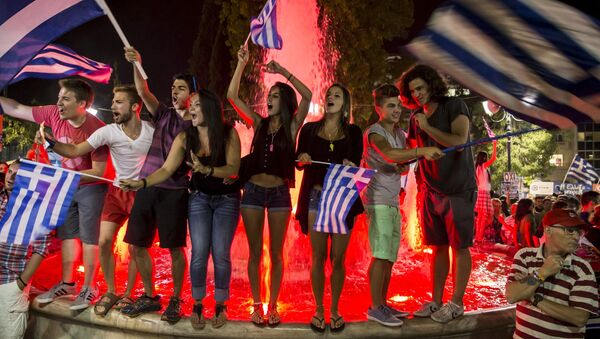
152,159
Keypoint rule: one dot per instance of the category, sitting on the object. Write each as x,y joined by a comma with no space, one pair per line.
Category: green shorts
384,231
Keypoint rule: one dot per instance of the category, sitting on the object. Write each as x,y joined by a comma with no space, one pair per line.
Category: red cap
563,217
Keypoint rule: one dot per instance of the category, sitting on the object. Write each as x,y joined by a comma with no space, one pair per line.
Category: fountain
303,54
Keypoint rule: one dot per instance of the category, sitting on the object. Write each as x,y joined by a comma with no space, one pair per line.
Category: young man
447,186
70,123
384,148
163,206
555,289
17,265
128,140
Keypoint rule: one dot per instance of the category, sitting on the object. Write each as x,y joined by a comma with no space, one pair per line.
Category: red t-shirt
64,132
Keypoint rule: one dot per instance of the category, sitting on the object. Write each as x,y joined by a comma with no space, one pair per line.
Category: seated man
555,289
17,265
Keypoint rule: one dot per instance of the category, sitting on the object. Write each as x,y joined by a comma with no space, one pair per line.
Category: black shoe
173,312
143,304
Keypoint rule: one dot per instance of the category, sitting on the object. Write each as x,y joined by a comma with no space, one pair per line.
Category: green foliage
530,153
358,29
18,132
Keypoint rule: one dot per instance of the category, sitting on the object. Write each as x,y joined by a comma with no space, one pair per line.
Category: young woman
332,139
270,169
525,225
212,149
483,207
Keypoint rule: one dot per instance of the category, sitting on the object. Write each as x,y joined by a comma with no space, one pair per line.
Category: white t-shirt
127,155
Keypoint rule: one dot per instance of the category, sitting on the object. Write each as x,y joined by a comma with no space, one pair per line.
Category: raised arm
306,94
16,109
245,112
174,160
493,157
141,85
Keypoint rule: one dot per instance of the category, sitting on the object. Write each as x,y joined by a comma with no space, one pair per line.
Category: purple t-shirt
167,124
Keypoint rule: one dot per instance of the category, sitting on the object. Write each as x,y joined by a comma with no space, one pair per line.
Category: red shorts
117,205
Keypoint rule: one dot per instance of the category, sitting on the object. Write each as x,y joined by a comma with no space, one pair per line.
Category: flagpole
66,170
247,38
330,163
115,24
568,169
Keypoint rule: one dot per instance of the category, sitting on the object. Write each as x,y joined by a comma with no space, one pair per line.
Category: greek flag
537,59
27,26
57,62
39,202
582,171
343,185
263,29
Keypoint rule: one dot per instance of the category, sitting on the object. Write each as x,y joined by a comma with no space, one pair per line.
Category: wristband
51,143
21,280
145,182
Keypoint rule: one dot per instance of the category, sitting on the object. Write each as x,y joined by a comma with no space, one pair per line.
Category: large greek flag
343,185
39,202
263,29
582,171
27,26
538,59
57,62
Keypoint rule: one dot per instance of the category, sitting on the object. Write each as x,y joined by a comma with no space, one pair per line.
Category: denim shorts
272,198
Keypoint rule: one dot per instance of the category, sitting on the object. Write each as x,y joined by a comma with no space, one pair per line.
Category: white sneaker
448,312
426,310
86,297
58,291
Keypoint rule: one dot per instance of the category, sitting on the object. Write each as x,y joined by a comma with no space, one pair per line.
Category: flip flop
321,327
107,301
339,322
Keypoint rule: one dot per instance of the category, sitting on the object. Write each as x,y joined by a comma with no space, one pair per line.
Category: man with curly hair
447,185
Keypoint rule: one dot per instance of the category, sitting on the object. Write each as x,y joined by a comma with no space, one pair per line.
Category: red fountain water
303,54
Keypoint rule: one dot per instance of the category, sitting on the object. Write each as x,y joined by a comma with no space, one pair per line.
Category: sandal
106,302
258,317
197,317
337,324
273,318
123,302
317,324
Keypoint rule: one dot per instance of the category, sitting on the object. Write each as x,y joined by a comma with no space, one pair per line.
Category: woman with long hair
332,139
211,148
525,225
484,211
270,169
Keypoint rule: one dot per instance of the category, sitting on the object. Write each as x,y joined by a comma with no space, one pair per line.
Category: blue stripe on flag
11,7
18,216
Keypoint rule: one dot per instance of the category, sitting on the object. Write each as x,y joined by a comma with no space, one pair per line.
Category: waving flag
39,202
488,130
343,185
27,26
263,29
538,59
57,62
582,171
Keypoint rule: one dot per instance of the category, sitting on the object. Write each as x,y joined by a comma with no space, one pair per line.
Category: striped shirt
574,286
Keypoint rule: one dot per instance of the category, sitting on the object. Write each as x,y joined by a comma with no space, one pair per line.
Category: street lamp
492,108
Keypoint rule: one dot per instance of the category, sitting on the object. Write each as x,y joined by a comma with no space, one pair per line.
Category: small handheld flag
263,29
343,185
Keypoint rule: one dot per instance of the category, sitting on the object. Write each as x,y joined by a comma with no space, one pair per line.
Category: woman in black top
212,149
270,169
332,139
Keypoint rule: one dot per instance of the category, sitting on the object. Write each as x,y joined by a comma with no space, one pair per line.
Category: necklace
330,137
273,138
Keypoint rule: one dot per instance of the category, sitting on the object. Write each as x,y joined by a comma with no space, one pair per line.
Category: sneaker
426,310
58,291
197,317
448,312
173,312
86,297
143,304
396,313
220,316
383,316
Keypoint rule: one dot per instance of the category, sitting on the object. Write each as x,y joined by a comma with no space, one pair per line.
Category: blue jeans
213,220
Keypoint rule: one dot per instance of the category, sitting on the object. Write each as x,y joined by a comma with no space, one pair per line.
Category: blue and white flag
27,26
39,202
582,171
537,59
343,185
263,29
57,62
